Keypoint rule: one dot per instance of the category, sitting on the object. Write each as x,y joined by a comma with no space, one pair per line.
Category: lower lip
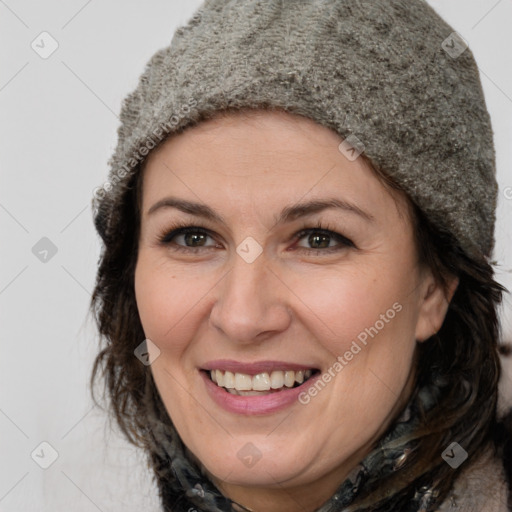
259,404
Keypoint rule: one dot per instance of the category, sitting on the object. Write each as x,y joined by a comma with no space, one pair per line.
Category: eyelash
182,228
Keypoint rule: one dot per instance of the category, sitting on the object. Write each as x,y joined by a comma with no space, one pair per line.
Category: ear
434,305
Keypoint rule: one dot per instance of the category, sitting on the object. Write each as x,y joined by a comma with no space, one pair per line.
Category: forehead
238,160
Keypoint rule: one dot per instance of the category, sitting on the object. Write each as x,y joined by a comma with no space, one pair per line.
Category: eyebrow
289,213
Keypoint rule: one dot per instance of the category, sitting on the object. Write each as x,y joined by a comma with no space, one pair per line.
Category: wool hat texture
392,78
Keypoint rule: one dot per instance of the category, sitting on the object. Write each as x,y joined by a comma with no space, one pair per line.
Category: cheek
367,319
164,301
345,304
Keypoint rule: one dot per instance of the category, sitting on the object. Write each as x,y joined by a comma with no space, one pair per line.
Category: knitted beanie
389,76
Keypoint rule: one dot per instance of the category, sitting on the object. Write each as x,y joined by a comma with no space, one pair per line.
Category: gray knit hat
389,76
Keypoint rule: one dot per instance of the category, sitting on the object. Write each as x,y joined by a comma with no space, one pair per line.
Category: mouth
259,384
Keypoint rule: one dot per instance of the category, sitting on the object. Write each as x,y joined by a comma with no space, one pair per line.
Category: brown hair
462,358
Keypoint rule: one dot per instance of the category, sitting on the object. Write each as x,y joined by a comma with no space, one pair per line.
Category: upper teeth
260,382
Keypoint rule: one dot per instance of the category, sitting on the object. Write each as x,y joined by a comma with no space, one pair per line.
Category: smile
256,388
243,384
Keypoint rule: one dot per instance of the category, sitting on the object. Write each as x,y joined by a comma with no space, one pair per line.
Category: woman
295,288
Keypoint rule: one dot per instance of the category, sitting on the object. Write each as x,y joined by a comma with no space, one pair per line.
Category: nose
251,302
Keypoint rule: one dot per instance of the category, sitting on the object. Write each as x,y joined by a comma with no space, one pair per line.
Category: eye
320,239
194,238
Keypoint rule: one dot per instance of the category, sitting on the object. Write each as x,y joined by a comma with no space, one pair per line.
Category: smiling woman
207,309
312,289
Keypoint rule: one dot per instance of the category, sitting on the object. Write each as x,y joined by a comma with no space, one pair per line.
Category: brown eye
194,239
185,238
321,239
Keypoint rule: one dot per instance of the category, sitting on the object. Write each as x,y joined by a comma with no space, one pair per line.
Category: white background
58,127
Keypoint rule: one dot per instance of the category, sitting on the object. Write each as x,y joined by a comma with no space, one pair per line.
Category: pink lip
252,405
253,368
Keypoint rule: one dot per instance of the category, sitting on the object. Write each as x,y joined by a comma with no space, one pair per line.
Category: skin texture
292,303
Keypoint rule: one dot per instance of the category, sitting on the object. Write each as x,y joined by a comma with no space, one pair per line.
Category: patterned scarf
185,487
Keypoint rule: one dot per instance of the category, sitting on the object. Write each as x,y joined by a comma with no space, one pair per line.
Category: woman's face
298,263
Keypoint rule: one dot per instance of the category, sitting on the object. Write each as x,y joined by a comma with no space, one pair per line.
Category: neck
281,496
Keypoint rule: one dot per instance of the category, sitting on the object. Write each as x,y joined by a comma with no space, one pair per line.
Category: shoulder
481,487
